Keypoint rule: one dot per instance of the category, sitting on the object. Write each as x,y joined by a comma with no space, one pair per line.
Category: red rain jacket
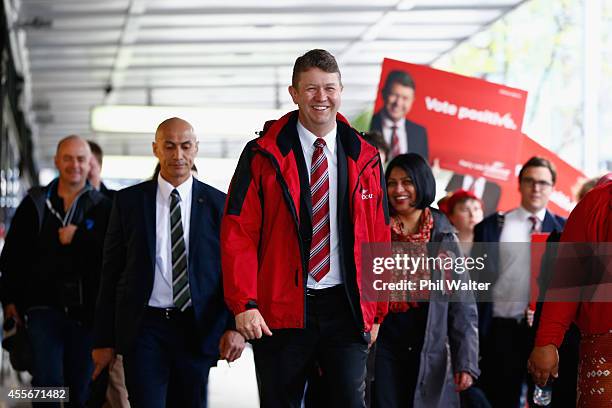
264,244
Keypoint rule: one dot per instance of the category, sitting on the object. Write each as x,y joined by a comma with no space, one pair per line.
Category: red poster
472,126
466,125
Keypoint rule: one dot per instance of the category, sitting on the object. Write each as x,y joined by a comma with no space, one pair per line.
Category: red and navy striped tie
318,265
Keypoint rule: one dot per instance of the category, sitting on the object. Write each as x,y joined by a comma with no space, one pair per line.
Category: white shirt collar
165,188
388,122
307,138
524,214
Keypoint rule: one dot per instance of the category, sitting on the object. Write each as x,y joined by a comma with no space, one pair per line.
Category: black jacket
129,267
37,270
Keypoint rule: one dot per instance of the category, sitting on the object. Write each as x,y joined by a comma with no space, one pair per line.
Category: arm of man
14,259
113,265
240,231
92,230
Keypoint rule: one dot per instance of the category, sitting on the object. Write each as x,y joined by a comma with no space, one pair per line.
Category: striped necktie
318,265
180,278
536,225
395,142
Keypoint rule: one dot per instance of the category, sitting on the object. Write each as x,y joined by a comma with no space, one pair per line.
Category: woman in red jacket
590,221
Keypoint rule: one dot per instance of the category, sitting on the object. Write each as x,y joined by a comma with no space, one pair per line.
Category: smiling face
72,161
401,191
318,97
176,148
399,101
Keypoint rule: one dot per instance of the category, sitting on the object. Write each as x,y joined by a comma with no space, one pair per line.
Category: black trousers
166,368
398,357
504,365
331,338
396,373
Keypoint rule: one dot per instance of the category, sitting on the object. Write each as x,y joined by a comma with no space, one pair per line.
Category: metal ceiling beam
124,54
52,87
48,13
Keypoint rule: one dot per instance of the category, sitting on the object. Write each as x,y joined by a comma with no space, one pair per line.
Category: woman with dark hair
412,366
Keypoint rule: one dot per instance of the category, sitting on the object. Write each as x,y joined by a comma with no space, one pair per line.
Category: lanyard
71,211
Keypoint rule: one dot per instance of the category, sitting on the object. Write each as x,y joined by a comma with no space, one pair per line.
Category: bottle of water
542,396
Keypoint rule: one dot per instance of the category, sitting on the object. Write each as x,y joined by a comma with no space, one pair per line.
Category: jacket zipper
293,211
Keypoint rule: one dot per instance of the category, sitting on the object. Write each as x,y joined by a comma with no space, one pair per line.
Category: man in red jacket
304,198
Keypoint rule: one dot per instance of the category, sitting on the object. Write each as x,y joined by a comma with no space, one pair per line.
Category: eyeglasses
542,184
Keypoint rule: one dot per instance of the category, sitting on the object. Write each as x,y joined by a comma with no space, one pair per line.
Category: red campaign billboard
466,125
471,124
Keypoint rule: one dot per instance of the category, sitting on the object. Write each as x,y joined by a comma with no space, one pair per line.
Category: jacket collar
198,215
278,138
441,224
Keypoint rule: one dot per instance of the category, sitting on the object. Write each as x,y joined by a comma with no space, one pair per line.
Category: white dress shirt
162,283
307,139
387,129
515,264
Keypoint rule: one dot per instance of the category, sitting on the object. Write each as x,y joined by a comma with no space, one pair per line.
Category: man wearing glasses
504,323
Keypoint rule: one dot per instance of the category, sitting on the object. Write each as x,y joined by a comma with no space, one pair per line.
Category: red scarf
400,299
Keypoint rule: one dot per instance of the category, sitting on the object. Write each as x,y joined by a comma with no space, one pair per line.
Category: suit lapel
550,224
199,218
149,203
305,198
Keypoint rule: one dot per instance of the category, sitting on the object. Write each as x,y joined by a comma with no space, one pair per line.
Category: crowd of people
129,297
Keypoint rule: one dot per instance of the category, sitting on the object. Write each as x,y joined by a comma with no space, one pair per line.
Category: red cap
457,196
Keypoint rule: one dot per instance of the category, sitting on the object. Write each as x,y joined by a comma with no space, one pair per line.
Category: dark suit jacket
489,230
107,192
490,195
415,133
129,267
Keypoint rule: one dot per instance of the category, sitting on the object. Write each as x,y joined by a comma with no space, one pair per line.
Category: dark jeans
504,365
61,349
284,360
166,368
